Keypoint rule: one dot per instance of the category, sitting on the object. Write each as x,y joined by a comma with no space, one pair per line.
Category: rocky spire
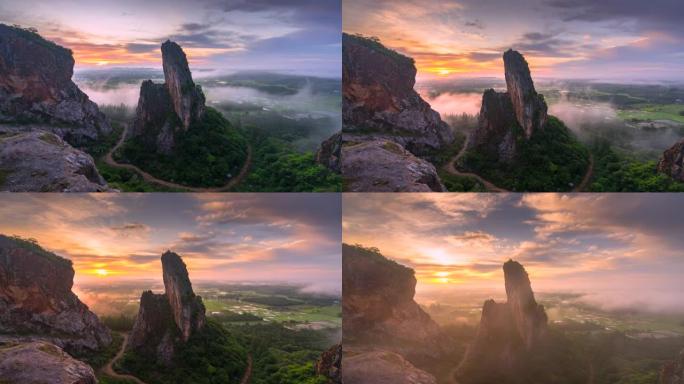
164,320
188,309
529,317
530,108
509,333
187,98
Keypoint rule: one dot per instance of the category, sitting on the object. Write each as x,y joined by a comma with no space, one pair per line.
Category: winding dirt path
248,372
450,167
109,159
109,368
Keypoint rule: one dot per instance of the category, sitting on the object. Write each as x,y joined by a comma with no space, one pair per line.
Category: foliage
207,154
100,358
614,172
126,180
551,160
212,356
281,355
278,167
375,44
457,183
119,323
33,246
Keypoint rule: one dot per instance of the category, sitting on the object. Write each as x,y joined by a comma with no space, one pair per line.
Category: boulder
36,301
44,363
381,367
330,364
329,155
672,161
40,161
385,166
36,87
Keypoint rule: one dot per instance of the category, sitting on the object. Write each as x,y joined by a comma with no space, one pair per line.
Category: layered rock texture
385,166
509,335
40,161
36,301
378,306
672,161
164,109
506,118
36,87
379,105
44,363
329,155
164,320
673,372
330,364
382,367
379,99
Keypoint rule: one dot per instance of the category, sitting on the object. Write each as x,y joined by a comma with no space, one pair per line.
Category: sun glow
101,272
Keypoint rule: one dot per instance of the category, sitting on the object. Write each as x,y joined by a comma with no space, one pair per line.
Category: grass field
650,112
322,316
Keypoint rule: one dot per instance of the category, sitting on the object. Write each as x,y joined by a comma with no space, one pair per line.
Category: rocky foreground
164,109
36,301
672,161
380,108
506,118
40,161
44,363
165,320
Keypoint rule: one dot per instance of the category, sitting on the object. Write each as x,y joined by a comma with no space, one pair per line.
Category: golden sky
565,241
222,237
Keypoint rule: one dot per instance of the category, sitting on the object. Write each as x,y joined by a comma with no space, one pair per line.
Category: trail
451,168
109,368
587,176
248,372
109,159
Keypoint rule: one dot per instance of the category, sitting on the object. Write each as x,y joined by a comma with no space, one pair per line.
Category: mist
454,103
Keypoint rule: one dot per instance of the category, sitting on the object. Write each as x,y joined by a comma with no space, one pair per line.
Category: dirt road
587,176
109,159
248,372
450,167
109,368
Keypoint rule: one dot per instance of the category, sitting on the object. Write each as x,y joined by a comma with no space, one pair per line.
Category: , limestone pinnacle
530,108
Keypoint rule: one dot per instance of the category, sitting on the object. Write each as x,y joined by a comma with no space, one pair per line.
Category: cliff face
508,117
36,300
163,109
39,161
329,154
509,333
379,100
378,306
164,320
672,161
381,367
36,87
40,362
673,372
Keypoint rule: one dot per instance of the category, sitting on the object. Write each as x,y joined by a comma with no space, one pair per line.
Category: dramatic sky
607,39
577,242
222,237
285,35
